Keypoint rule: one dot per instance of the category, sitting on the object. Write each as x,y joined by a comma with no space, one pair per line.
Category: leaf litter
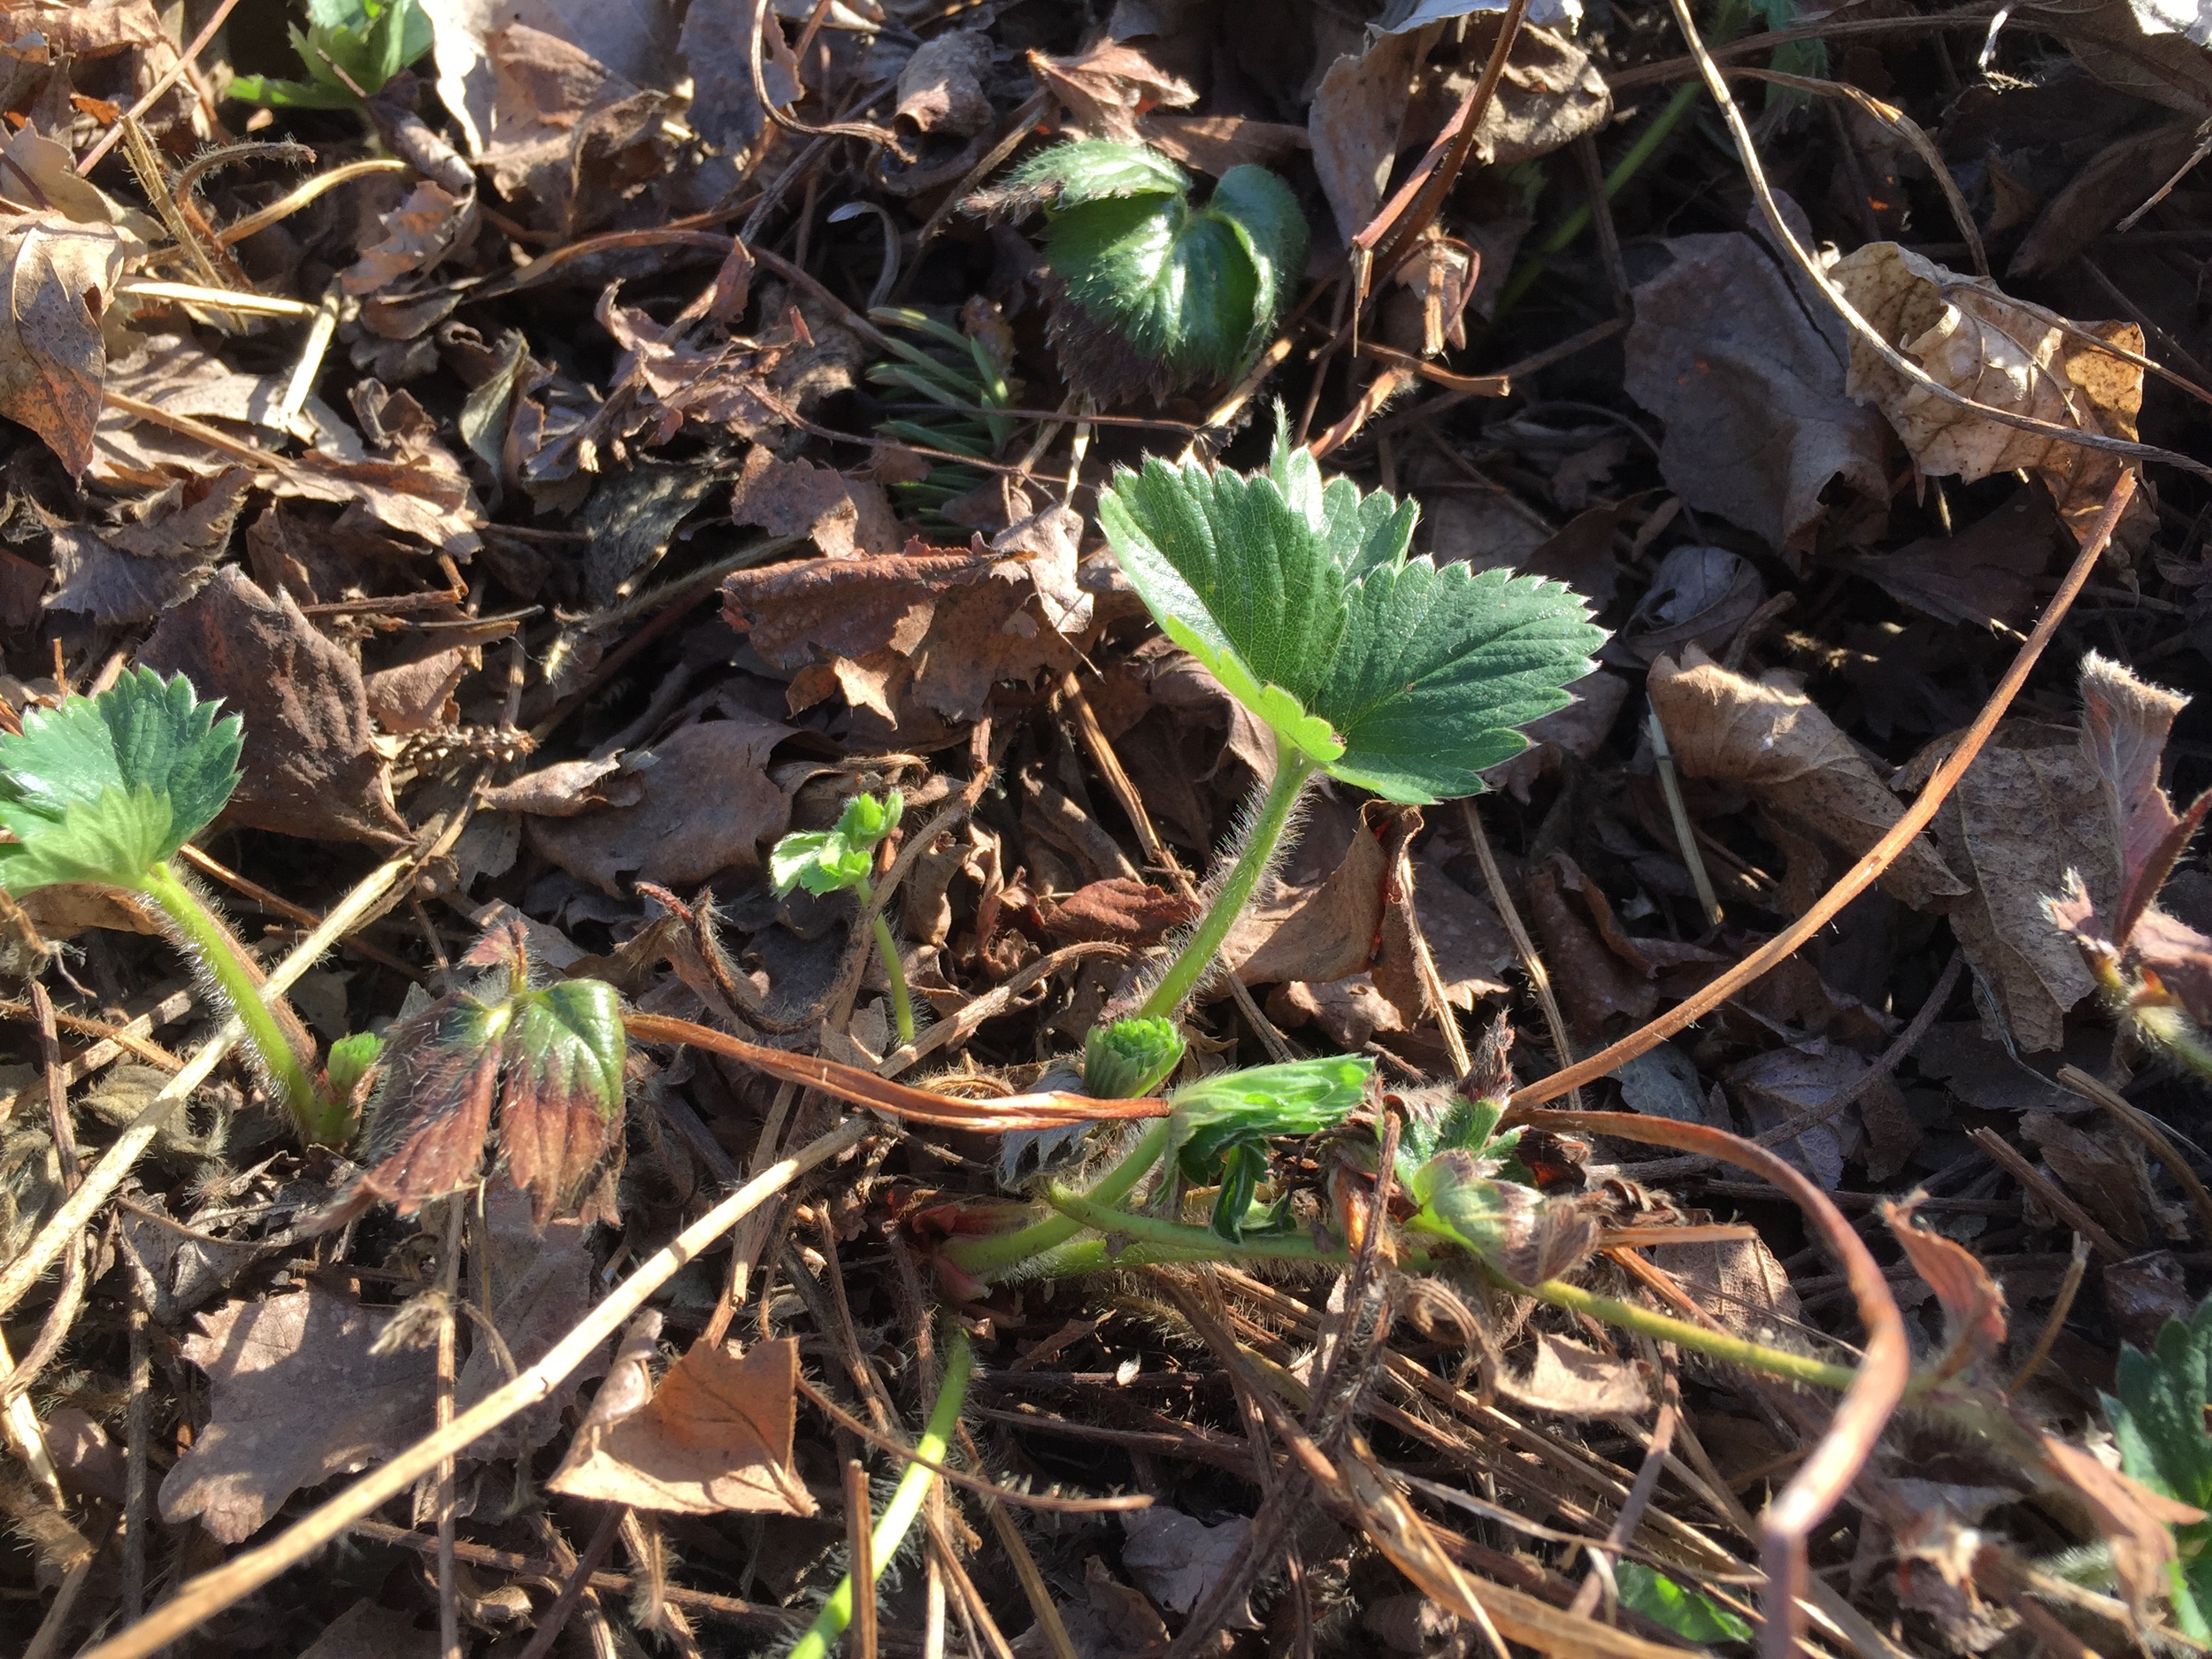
534,444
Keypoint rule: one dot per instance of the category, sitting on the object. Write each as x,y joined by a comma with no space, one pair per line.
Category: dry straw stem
208,1594
1832,1465
1878,857
102,1179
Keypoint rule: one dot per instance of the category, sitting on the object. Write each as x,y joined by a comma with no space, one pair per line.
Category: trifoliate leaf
1128,1059
1690,1614
101,787
563,1090
1387,672
1300,1098
831,861
1153,291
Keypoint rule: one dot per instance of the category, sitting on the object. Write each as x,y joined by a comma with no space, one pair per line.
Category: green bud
1128,1059
866,820
350,1058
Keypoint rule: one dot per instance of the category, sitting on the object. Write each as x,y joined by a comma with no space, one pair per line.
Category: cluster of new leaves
351,48
1471,1189
550,1060
2158,1419
103,789
1156,294
1218,1132
1130,1058
835,860
1385,670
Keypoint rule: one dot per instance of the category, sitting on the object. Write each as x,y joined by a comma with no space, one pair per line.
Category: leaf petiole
992,1256
894,970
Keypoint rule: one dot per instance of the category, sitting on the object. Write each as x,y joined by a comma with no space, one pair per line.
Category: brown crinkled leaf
310,764
1467,943
1983,576
1105,88
1551,94
567,789
1353,123
844,516
941,88
296,1397
2111,184
2106,1172
1977,341
715,1436
1595,982
1316,933
1350,1010
417,235
539,1281
1769,737
705,804
132,572
368,1631
1111,1622
1700,597
1740,1282
1573,1380
1121,908
566,134
673,380
2172,69
1212,144
1752,388
73,29
1788,1083
418,696
2029,810
61,277
1973,1302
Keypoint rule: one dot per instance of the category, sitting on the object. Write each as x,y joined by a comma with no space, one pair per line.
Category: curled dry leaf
1121,908
263,1360
132,572
1771,739
311,765
61,275
1973,1302
1317,932
1751,386
714,1436
941,88
1982,577
843,516
567,135
1572,1379
1106,88
1976,339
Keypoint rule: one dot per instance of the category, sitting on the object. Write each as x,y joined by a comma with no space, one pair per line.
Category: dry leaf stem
1877,859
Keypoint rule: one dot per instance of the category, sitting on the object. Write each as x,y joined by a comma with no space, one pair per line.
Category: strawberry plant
838,860
351,48
1378,670
105,790
1153,293
2158,1418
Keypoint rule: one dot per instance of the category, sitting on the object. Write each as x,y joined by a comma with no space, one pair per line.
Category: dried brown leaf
1983,576
268,1364
1317,932
1121,908
1571,1379
940,90
715,1436
1175,1558
61,277
1973,1302
1106,88
132,572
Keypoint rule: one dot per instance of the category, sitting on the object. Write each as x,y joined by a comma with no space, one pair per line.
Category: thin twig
2140,1125
449,1274
1878,857
2068,1288
1523,947
860,1540
2052,1197
593,1557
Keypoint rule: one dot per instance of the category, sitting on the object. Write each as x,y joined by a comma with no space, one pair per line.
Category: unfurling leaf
103,788
1515,1229
834,860
1154,294
1130,1058
1219,1129
550,1059
349,44
1386,672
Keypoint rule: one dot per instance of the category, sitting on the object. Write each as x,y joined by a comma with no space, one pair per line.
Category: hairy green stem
894,970
991,1256
1713,1344
1292,770
319,1120
906,1501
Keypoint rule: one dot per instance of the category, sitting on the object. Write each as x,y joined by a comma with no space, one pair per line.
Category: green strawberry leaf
2158,1415
1453,1124
562,1093
833,860
1300,1098
102,789
1387,672
1154,291
1690,1614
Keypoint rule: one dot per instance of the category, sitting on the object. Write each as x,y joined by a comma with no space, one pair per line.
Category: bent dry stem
906,1501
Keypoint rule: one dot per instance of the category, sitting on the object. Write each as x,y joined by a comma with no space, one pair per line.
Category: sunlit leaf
1690,1614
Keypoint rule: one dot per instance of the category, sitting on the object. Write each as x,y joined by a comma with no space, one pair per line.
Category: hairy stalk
906,1501
218,950
1261,836
894,970
1713,1344
994,1255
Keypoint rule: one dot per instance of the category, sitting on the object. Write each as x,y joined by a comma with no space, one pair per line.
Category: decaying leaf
266,1361
1982,577
61,275
1973,1302
1750,382
1175,1558
1315,933
567,135
1571,1379
538,1281
714,1436
1976,339
1774,740
1106,88
132,572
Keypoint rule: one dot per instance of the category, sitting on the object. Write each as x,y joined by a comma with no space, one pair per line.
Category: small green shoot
1382,670
840,860
1130,1058
1690,1614
350,49
551,1059
1156,294
2158,1418
106,790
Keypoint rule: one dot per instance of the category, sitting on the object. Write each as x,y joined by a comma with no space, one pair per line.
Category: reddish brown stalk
1832,1465
1050,1110
1878,857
